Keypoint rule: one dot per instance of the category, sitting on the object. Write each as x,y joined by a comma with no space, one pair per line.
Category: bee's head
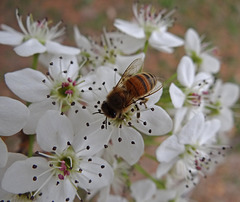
108,110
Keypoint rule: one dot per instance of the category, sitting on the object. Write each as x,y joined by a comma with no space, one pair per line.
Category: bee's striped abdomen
140,84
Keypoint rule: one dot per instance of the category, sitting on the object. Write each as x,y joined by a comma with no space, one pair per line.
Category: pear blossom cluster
80,152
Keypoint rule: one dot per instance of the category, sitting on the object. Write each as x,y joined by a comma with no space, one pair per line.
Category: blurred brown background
218,20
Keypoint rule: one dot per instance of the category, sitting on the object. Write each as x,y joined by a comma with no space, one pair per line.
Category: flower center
194,99
39,29
150,19
66,89
65,92
65,163
199,159
197,94
64,167
110,55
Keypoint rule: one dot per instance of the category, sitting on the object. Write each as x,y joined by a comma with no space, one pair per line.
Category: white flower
192,151
35,38
222,97
58,90
7,196
46,58
112,51
124,132
114,198
145,190
199,53
194,87
3,153
13,117
121,169
150,26
70,163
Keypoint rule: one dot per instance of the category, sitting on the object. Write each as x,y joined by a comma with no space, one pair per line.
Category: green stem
35,61
172,78
151,156
31,143
32,137
159,184
145,51
145,47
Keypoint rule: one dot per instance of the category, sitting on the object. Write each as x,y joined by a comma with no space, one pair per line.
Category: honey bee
132,87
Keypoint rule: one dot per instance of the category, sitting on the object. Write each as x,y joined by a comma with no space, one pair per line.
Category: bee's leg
138,111
143,101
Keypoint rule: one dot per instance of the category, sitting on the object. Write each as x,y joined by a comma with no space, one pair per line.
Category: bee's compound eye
108,111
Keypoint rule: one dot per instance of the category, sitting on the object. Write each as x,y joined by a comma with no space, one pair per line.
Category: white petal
54,130
131,145
124,61
3,153
58,49
210,63
36,111
97,170
165,39
229,94
226,118
130,28
92,137
29,48
186,71
169,149
11,158
177,96
19,176
155,97
107,75
156,122
192,130
164,167
164,195
192,42
164,49
203,76
209,132
10,38
113,198
143,190
77,113
217,90
179,118
28,84
81,40
103,194
58,190
67,63
9,29
13,116
127,44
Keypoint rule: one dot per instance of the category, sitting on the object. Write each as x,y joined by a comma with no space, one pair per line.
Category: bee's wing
132,69
156,88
